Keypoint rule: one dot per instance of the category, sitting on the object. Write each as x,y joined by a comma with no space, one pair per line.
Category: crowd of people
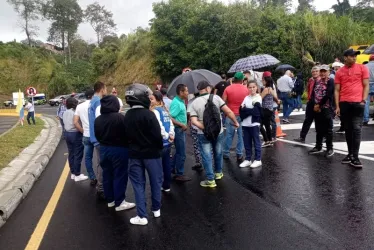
140,141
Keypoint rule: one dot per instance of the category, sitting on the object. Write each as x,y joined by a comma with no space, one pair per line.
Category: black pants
266,122
324,126
309,118
352,114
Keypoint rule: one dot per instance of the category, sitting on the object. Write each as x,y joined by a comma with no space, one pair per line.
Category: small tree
28,11
100,19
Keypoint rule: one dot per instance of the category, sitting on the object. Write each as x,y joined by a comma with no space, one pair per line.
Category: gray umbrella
253,62
284,67
191,79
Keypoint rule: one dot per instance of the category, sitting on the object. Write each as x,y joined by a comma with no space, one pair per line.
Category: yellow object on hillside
19,103
365,50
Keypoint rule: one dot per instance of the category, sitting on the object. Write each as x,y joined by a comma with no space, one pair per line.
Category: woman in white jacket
167,132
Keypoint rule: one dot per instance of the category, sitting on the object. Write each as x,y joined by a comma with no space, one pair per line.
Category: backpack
211,120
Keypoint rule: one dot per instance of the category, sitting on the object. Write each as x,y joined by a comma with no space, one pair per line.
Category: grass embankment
12,143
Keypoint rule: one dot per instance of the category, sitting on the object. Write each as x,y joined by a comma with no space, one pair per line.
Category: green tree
305,5
65,16
100,19
28,11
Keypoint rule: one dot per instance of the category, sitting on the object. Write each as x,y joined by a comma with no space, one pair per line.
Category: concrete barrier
17,179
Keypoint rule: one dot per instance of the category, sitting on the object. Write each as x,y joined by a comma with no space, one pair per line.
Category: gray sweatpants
98,170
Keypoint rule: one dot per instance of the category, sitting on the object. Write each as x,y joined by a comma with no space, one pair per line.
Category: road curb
17,179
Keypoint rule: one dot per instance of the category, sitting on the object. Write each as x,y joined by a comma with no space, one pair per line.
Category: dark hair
180,88
99,86
223,76
158,96
89,93
164,91
71,103
268,81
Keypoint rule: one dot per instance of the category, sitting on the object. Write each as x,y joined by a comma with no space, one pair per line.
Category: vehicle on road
8,103
363,58
39,99
57,100
360,48
80,97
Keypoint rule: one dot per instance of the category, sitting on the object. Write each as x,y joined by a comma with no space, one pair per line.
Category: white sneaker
256,164
245,164
125,206
165,190
157,213
139,221
112,204
72,176
80,177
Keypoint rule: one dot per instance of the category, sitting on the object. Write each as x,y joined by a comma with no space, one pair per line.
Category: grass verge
16,140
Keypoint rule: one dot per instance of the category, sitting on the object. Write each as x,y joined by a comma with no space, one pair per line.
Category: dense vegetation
185,33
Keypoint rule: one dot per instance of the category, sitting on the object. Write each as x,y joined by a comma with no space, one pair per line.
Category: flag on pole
19,101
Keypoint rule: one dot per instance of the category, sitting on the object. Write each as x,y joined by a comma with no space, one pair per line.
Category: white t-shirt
82,112
30,107
97,111
248,103
120,103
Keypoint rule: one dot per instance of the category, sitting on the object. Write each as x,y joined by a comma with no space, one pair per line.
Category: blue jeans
137,169
166,166
88,156
298,103
230,132
367,106
288,104
32,116
206,147
252,137
273,125
75,150
180,151
114,162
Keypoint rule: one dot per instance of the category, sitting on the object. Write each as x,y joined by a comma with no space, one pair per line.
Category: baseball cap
203,85
266,74
371,58
324,67
316,68
239,76
337,64
351,52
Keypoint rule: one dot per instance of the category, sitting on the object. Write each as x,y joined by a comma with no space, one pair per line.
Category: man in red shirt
234,96
309,113
351,92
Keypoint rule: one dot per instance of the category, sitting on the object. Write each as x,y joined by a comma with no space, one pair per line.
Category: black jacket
110,125
143,134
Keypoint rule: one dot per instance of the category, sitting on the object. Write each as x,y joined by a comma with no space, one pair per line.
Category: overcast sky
128,15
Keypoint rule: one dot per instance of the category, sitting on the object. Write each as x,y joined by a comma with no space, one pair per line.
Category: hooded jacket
110,125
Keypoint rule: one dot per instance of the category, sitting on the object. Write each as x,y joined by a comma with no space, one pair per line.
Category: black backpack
211,120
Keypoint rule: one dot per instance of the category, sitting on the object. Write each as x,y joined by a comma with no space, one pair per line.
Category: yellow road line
38,234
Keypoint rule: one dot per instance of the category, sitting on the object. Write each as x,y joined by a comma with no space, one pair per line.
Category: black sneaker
302,140
315,150
365,124
347,160
329,153
356,163
93,182
240,159
197,167
225,157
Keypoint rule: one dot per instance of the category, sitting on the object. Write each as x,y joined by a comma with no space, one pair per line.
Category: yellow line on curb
38,234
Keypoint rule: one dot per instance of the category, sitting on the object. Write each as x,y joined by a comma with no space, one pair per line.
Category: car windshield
369,50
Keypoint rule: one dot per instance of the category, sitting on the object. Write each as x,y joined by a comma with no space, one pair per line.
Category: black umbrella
285,67
191,79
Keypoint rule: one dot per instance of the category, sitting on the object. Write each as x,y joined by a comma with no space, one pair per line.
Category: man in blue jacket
100,91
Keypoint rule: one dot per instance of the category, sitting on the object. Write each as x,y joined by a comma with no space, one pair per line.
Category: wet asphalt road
6,123
294,201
